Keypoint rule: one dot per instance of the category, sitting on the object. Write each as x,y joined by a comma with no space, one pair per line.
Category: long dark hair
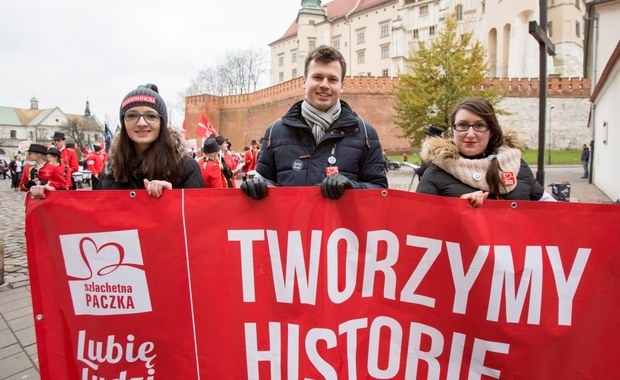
485,110
161,160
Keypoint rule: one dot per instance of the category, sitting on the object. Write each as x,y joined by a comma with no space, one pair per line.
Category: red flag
184,130
205,128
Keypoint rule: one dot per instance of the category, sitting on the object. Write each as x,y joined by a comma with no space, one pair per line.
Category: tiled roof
8,116
336,10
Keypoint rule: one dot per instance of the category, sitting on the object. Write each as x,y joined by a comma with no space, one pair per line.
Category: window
407,2
578,29
550,29
484,6
416,34
459,12
360,36
336,43
361,56
385,30
281,77
385,51
294,73
293,56
431,30
31,135
281,59
385,72
311,44
423,10
13,134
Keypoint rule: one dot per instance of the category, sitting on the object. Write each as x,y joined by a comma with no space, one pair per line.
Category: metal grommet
132,194
384,193
38,317
513,205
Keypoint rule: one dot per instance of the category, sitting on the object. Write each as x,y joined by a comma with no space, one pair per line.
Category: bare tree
237,73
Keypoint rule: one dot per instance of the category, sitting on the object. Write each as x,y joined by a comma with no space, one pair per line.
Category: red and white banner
210,284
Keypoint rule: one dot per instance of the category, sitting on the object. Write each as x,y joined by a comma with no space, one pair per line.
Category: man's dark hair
326,54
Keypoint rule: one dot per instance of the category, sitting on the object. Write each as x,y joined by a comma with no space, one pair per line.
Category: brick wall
242,118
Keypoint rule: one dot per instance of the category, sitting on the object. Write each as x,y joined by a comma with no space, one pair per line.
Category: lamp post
549,148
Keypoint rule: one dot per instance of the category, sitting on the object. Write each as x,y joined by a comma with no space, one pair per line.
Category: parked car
393,165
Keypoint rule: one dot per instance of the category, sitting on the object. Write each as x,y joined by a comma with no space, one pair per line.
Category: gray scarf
320,121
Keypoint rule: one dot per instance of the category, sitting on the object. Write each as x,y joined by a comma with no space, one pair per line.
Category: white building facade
377,36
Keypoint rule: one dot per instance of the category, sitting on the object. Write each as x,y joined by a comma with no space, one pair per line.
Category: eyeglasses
464,127
149,117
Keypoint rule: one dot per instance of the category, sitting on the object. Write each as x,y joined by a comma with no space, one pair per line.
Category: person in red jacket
94,164
210,165
250,158
38,171
67,155
60,173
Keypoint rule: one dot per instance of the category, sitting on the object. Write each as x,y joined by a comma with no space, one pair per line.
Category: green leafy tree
450,69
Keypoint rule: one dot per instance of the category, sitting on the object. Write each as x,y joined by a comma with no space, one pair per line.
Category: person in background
146,153
94,164
211,165
481,161
39,174
585,160
321,140
385,160
226,162
251,156
60,173
67,155
16,166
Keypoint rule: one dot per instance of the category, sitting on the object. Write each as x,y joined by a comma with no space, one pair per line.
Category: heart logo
102,260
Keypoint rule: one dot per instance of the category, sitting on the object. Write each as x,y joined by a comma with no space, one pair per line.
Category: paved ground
18,354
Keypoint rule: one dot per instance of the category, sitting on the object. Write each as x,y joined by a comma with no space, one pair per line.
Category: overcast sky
67,51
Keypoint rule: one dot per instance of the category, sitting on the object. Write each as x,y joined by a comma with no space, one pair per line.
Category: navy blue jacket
290,157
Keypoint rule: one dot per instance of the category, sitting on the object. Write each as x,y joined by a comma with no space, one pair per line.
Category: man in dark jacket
320,140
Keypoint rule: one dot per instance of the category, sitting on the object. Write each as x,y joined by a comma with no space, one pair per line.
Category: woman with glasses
146,154
480,162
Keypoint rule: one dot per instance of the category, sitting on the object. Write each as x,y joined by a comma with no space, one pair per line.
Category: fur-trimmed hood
437,149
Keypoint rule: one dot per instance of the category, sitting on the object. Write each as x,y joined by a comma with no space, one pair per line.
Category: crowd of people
321,141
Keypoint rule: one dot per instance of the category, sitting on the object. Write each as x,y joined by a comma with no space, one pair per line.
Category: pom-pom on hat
145,95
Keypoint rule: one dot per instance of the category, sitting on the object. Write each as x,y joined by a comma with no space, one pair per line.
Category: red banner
210,284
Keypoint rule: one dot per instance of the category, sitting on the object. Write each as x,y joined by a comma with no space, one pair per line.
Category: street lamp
549,149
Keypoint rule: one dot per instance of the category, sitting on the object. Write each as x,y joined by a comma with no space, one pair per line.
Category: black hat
253,142
96,147
70,145
53,151
210,145
37,148
58,135
220,139
433,131
145,95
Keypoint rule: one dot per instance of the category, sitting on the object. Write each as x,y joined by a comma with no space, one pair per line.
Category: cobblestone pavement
18,354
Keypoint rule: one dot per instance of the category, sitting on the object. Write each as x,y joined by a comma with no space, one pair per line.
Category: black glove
254,188
333,186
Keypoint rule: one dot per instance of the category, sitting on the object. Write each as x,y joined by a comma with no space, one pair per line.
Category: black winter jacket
437,182
290,157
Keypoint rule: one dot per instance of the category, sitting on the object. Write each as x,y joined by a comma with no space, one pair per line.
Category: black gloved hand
333,186
254,188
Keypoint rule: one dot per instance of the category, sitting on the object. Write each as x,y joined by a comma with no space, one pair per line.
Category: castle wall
242,118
